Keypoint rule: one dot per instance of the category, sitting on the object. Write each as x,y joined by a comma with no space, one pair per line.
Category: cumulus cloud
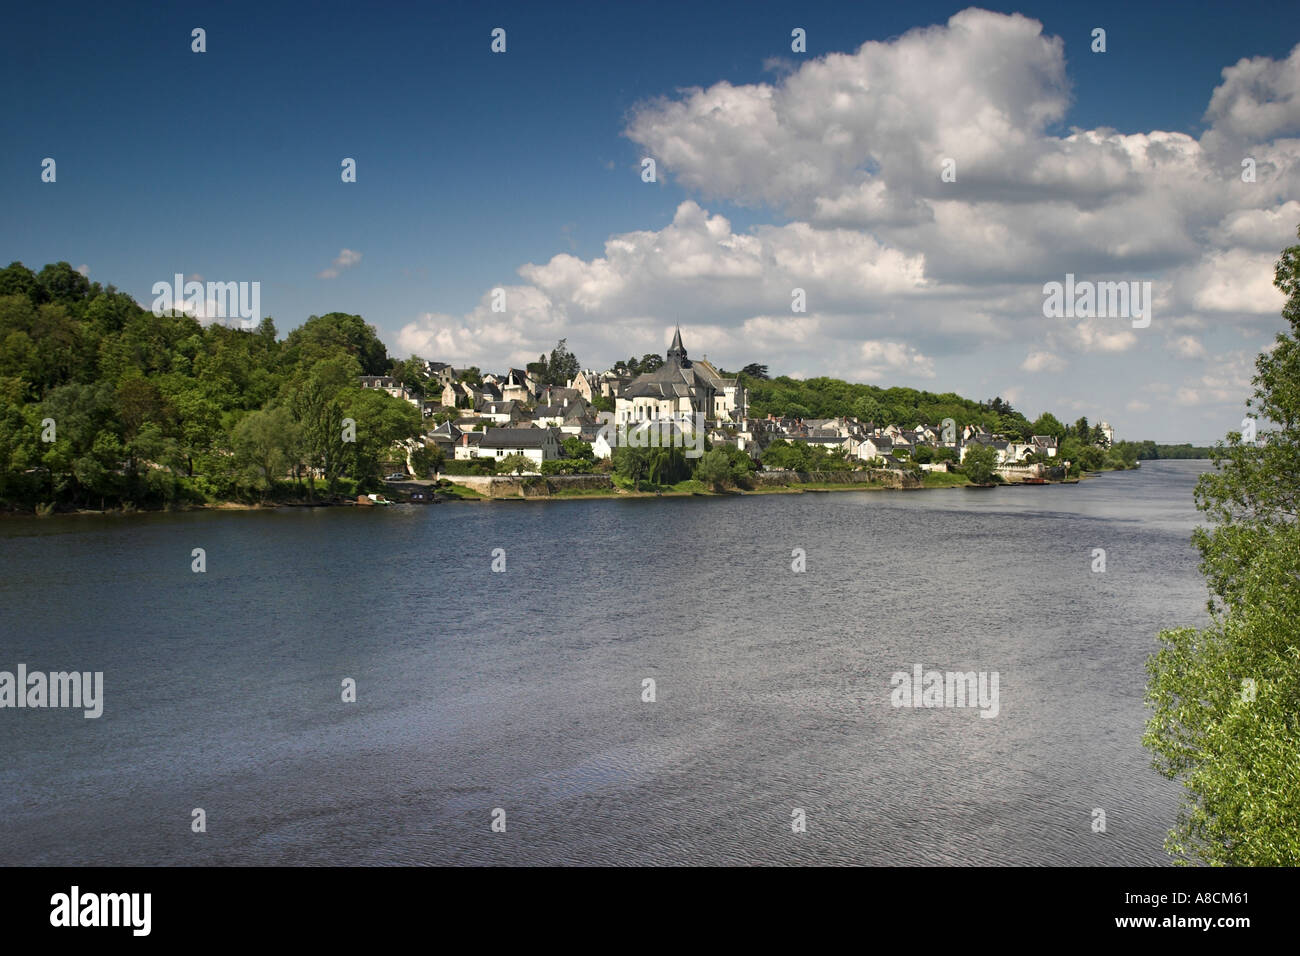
906,276
1258,99
857,140
883,358
346,259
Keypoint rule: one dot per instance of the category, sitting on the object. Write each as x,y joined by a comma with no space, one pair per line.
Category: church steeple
677,352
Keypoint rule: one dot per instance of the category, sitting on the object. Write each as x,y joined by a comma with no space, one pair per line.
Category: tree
716,468
17,279
411,373
327,336
632,463
264,442
517,463
381,422
754,370
62,283
1083,431
1226,698
563,366
650,362
866,409
1047,424
319,418
427,459
980,464
576,448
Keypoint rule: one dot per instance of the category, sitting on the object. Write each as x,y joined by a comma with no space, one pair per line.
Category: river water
521,690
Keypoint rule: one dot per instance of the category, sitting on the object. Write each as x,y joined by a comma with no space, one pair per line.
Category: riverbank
583,487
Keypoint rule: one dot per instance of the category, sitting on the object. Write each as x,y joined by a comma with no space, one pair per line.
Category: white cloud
1188,347
1042,361
1258,99
346,259
885,358
1232,280
908,277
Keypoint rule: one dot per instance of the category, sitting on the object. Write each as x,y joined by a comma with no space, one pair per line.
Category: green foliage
1227,698
515,464
563,366
325,336
152,411
427,459
906,407
980,464
717,469
567,466
658,466
801,456
575,447
470,466
264,444
1149,450
1047,424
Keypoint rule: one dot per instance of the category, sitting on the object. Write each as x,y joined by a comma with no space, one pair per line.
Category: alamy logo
56,689
103,909
240,301
672,431
923,688
1098,300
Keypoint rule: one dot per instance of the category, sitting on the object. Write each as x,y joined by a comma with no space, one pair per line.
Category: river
522,689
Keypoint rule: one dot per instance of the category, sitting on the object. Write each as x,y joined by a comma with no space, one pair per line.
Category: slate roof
517,437
676,378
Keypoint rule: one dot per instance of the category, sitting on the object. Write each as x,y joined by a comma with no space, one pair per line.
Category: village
490,418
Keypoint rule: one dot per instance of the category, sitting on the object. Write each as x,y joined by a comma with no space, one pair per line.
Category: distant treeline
1148,450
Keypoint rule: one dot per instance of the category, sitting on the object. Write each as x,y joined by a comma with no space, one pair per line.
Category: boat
1034,481
372,500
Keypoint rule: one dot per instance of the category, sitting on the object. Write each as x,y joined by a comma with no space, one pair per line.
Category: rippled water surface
522,690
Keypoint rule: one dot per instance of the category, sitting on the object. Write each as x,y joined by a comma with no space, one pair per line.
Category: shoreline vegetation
445,491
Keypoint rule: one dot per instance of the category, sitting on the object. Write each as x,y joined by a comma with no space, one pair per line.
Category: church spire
677,351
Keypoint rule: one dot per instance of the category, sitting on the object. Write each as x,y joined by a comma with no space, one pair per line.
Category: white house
539,444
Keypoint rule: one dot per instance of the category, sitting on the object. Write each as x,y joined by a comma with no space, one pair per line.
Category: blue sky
474,165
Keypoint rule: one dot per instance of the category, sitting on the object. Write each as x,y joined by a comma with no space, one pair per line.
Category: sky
775,170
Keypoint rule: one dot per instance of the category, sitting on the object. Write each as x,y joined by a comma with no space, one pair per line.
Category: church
680,388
